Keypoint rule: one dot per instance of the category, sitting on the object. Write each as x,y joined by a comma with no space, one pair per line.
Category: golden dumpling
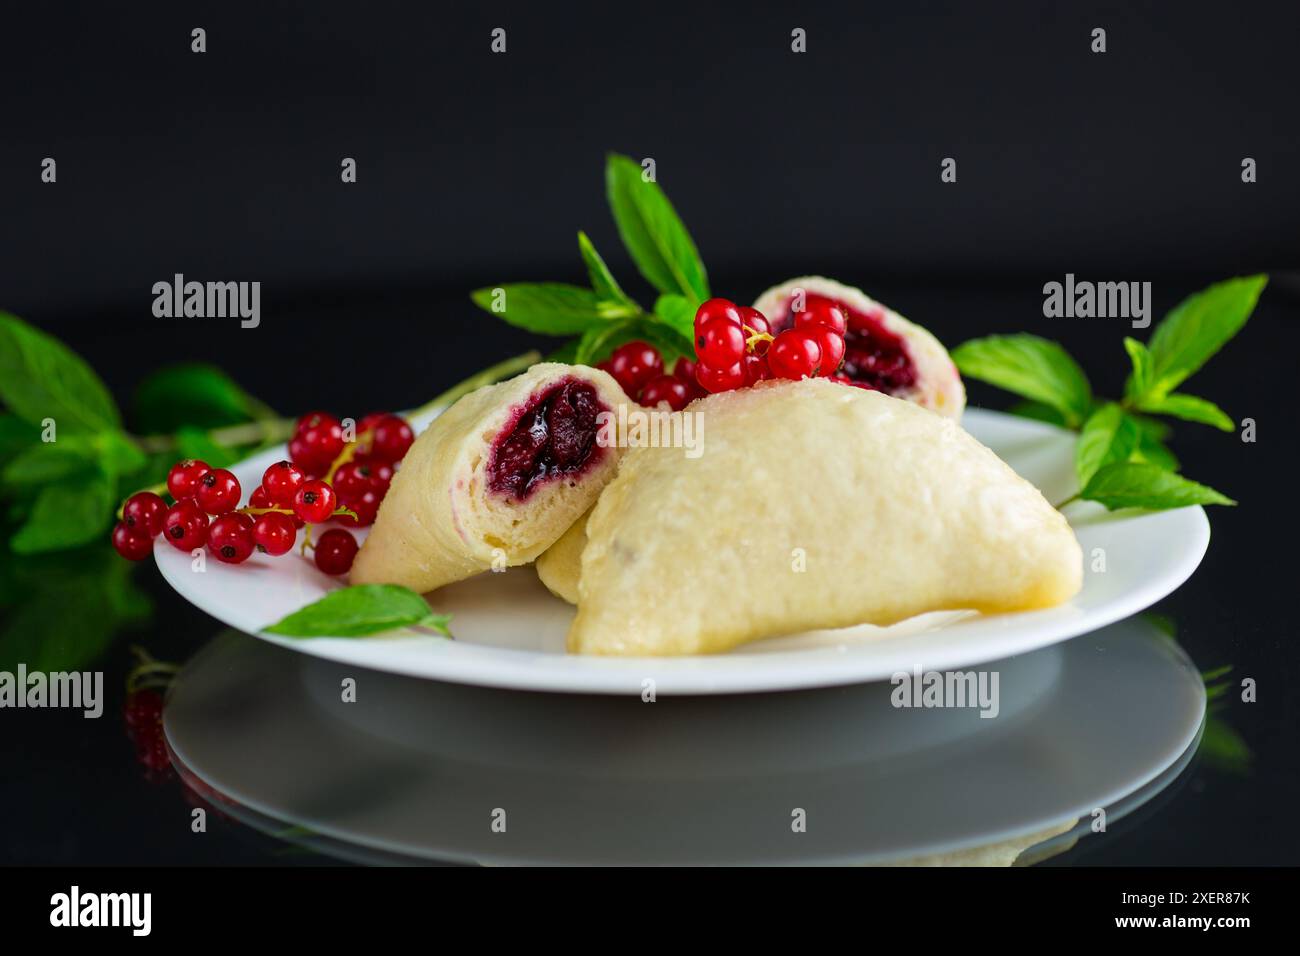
812,505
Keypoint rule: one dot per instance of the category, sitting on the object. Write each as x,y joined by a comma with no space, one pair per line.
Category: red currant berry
665,388
366,505
314,501
280,481
352,480
183,479
260,499
218,492
756,369
634,364
368,423
823,313
719,343
716,309
720,379
794,355
335,551
230,539
304,460
391,437
144,512
684,370
130,543
322,437
755,323
274,533
832,346
186,525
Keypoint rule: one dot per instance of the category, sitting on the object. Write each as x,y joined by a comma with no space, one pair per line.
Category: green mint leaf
1151,449
41,378
1139,380
361,611
1198,327
566,354
1032,367
196,443
549,308
1039,412
1108,436
16,435
66,513
192,393
678,313
596,344
603,282
1189,408
652,231
1139,485
45,462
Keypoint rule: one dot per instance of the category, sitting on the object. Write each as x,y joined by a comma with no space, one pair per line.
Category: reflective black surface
474,171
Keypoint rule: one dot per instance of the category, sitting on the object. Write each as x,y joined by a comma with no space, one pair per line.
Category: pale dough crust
890,509
439,523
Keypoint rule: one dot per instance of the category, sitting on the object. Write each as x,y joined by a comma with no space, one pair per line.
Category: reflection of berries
183,479
142,709
143,513
335,551
185,526
130,543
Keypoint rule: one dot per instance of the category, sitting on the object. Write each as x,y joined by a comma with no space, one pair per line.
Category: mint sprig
361,611
1121,459
604,316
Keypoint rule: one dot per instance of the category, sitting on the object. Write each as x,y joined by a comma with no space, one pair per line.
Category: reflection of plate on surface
415,769
510,630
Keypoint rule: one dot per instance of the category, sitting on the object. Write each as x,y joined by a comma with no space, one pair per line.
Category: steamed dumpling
812,505
495,480
559,565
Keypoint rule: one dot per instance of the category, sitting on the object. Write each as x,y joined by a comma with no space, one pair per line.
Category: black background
475,169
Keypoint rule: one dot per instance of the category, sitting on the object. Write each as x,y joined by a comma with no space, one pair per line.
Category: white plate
510,630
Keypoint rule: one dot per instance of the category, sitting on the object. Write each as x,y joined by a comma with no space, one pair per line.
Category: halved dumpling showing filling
496,479
882,350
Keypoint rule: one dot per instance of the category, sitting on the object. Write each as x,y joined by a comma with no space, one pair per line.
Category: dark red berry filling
553,434
873,355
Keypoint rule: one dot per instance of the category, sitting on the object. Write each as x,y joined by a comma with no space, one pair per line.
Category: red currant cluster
735,346
328,478
639,368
